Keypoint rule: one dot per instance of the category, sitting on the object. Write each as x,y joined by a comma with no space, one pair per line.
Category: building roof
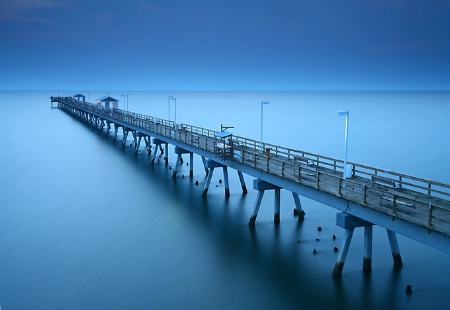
79,95
106,98
223,134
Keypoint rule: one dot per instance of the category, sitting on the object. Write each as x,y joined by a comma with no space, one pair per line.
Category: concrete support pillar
147,144
177,166
262,186
210,165
157,143
191,163
342,255
116,128
259,198
227,185
298,211
108,127
134,134
241,179
208,181
179,151
125,136
349,223
367,263
204,164
395,249
138,144
166,147
154,154
277,204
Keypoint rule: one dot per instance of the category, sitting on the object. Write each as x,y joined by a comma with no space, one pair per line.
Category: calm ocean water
86,224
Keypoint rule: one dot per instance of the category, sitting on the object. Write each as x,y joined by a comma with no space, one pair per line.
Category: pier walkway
414,207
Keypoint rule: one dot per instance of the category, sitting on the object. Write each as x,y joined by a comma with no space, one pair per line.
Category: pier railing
420,201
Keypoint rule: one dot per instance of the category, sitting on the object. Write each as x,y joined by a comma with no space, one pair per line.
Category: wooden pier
415,207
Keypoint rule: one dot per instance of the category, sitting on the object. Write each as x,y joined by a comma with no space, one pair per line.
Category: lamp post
168,102
127,101
262,104
346,114
123,101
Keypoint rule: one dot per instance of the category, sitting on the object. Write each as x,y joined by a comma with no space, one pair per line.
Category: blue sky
225,44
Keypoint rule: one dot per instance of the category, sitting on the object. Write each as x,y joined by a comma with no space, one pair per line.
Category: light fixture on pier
172,98
223,128
347,115
123,101
262,104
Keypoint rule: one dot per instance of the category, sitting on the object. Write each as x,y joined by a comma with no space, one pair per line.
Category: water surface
88,224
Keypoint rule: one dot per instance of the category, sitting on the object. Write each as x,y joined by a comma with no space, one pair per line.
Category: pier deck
415,207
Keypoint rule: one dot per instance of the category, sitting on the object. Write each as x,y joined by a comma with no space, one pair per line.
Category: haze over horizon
225,45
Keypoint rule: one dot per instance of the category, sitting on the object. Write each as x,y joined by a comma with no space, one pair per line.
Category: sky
257,45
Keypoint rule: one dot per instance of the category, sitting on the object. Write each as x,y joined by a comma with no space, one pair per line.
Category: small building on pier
224,144
107,103
80,98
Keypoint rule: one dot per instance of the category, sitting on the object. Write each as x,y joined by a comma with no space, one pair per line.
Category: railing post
430,214
429,189
394,203
365,195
